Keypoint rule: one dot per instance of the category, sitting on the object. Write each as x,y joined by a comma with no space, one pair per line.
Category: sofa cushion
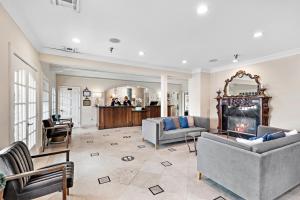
225,141
183,122
179,133
275,144
169,124
191,121
176,122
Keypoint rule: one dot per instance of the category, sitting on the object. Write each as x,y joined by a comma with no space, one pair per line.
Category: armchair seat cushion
57,133
179,133
70,172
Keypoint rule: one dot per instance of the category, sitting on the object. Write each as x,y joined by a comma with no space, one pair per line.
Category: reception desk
125,116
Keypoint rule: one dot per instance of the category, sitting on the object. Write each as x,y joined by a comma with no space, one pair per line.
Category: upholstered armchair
24,182
55,133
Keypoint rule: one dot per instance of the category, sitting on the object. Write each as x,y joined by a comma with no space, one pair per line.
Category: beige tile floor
131,180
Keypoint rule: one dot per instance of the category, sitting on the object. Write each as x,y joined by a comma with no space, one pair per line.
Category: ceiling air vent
74,4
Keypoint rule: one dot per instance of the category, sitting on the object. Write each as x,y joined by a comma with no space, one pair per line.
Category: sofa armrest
280,170
234,168
202,122
151,131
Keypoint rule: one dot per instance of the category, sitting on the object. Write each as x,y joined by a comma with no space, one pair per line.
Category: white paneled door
25,102
69,104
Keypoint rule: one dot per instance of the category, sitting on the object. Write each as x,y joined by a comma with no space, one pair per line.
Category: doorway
24,107
69,104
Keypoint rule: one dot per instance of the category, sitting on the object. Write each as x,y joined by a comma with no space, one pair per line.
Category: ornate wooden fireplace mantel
244,102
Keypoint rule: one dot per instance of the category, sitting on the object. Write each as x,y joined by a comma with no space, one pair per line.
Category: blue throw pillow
264,137
183,121
274,136
169,124
270,136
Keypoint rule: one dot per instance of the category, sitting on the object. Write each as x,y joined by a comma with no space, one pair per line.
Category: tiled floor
101,174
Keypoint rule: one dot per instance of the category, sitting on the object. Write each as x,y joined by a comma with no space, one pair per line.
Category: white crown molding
271,57
22,25
112,60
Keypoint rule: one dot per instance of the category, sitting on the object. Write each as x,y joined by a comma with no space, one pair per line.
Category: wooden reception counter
125,116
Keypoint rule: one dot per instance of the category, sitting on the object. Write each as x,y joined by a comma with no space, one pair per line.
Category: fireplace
242,115
244,105
241,118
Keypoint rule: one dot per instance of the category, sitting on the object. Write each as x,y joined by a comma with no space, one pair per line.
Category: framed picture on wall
87,102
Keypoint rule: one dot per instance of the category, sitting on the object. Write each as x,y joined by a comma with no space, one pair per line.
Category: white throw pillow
293,132
250,142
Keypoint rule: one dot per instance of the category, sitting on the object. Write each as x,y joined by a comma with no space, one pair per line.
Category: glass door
25,103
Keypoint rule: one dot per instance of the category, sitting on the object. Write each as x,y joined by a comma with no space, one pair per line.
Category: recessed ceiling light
184,62
141,53
258,34
76,40
114,40
202,9
213,60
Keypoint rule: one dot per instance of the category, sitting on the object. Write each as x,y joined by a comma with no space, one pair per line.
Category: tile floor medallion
166,163
126,137
141,146
172,149
131,180
103,180
94,154
114,144
127,158
156,190
219,198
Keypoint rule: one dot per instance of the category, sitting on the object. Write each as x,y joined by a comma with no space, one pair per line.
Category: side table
194,136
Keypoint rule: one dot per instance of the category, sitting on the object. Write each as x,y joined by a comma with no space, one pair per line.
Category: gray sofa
152,130
264,171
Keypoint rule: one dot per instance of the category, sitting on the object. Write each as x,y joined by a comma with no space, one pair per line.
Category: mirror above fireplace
242,84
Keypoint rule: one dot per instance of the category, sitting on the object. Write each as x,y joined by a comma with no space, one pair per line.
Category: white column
164,95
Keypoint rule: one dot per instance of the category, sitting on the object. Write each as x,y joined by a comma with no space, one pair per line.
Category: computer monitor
153,103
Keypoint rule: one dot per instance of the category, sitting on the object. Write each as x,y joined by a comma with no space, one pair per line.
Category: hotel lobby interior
150,100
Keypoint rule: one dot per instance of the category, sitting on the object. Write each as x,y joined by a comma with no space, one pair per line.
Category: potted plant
2,185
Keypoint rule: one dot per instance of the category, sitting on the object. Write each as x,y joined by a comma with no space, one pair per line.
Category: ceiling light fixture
202,9
114,40
235,58
76,40
184,62
258,34
141,53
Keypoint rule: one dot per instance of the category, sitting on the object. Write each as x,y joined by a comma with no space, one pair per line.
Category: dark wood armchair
55,133
24,182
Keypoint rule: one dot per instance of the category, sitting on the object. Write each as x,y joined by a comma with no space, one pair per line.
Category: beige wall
100,85
11,34
281,78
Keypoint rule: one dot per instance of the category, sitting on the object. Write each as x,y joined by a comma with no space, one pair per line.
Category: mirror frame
241,74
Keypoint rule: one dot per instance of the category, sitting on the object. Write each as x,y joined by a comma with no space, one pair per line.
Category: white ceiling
168,31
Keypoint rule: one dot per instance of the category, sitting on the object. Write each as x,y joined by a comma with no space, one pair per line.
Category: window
53,101
46,113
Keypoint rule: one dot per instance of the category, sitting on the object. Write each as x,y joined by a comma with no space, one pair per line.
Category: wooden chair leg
199,175
68,192
64,188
